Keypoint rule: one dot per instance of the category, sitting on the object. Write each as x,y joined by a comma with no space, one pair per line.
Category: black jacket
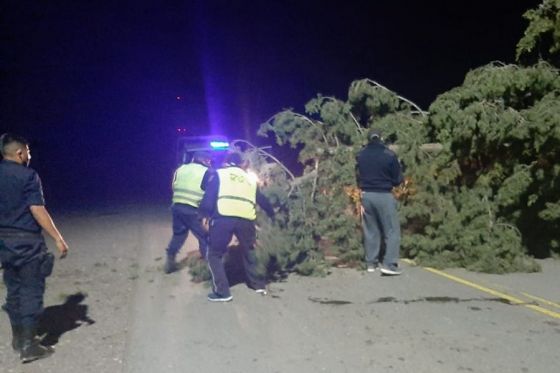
378,168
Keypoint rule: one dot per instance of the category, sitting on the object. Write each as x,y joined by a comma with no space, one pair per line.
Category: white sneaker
371,267
261,291
392,270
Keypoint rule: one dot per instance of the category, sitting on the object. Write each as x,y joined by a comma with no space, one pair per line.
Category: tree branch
266,154
422,112
270,156
301,116
315,179
360,129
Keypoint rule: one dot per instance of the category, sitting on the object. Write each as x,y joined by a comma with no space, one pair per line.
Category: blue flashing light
219,145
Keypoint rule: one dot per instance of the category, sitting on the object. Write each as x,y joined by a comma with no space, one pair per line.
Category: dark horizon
101,89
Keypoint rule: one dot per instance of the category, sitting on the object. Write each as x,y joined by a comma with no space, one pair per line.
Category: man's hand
62,247
205,222
44,219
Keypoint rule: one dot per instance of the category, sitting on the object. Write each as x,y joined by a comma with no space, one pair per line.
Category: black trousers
221,231
185,219
22,259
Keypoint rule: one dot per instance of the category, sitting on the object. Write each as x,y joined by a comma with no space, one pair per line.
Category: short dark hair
9,138
233,159
201,156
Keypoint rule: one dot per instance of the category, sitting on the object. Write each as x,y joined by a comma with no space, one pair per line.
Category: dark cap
374,133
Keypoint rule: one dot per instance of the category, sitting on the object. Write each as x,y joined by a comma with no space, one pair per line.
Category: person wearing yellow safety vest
230,202
188,188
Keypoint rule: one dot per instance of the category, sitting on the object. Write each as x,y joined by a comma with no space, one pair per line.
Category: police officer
23,251
378,172
188,189
230,200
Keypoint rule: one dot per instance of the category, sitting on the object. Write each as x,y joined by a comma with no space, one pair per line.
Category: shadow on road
57,320
233,265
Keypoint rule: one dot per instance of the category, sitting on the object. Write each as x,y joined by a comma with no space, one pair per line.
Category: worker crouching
230,203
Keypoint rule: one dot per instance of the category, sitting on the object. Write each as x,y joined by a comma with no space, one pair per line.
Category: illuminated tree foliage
488,198
542,37
319,214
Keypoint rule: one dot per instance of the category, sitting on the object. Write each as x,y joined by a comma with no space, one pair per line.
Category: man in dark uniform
188,188
230,200
23,251
378,172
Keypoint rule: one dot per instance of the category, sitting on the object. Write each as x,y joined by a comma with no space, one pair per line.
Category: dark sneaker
391,270
215,297
35,352
30,349
261,291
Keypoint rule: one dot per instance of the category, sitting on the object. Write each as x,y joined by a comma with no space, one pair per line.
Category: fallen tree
482,168
484,200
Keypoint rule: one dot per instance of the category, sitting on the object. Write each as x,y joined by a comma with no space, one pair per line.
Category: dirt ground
109,308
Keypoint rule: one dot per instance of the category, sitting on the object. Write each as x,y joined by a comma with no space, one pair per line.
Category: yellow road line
508,297
542,300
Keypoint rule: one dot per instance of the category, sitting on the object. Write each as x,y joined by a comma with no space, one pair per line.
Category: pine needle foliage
500,131
541,39
487,201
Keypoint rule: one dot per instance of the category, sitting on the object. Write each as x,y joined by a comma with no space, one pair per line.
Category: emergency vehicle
217,146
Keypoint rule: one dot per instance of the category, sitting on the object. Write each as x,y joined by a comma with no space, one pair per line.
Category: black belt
16,233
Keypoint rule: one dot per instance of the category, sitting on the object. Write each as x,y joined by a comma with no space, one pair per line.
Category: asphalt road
421,321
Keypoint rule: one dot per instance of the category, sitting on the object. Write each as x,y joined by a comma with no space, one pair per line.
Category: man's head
375,135
15,148
233,159
202,158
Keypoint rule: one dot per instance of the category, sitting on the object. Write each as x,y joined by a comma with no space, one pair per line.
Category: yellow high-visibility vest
186,184
237,193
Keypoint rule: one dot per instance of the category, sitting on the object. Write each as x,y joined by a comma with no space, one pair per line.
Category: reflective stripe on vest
186,184
237,193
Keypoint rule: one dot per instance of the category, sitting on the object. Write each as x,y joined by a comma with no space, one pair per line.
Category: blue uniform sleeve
205,178
33,191
208,203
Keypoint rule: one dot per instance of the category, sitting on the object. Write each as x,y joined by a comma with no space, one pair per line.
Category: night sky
100,87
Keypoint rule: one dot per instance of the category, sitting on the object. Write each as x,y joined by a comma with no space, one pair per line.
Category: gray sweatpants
380,220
